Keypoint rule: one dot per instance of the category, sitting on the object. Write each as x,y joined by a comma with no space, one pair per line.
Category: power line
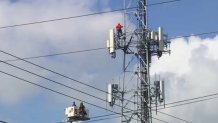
53,72
209,95
119,117
128,112
53,81
99,117
57,54
59,83
174,117
160,120
178,105
102,119
83,83
60,93
198,34
87,51
48,79
57,92
186,36
105,100
189,103
215,94
172,1
96,117
186,101
96,49
84,15
45,77
60,19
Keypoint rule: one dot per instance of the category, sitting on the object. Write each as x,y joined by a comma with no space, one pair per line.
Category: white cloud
191,71
62,36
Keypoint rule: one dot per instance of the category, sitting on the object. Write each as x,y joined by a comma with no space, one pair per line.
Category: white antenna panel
111,41
161,39
108,44
154,36
161,91
109,95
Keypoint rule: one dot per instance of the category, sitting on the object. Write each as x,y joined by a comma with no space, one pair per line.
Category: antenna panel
161,98
108,44
111,42
160,39
109,95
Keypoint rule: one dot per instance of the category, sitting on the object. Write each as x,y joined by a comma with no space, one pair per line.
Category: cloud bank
191,71
62,36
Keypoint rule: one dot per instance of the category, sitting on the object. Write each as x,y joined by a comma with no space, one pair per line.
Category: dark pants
119,33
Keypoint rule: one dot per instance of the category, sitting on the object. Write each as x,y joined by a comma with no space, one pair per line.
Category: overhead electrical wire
60,19
57,92
200,97
198,34
186,36
186,100
49,80
67,77
97,117
174,117
45,78
194,100
96,49
128,112
109,118
53,71
189,103
52,80
102,119
160,120
57,54
93,50
71,52
102,48
58,83
38,75
84,15
61,93
177,37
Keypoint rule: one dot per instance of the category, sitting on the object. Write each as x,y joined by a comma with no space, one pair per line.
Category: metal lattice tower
142,43
143,52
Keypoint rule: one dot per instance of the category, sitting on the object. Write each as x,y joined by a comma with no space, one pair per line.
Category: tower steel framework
142,43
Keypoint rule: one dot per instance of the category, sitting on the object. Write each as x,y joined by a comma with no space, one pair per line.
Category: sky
189,71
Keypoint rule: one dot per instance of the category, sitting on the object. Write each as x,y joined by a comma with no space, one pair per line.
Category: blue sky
23,103
181,18
185,17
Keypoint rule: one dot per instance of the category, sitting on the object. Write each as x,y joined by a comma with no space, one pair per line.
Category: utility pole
142,43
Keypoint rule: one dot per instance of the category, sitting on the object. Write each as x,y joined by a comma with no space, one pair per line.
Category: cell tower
143,44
